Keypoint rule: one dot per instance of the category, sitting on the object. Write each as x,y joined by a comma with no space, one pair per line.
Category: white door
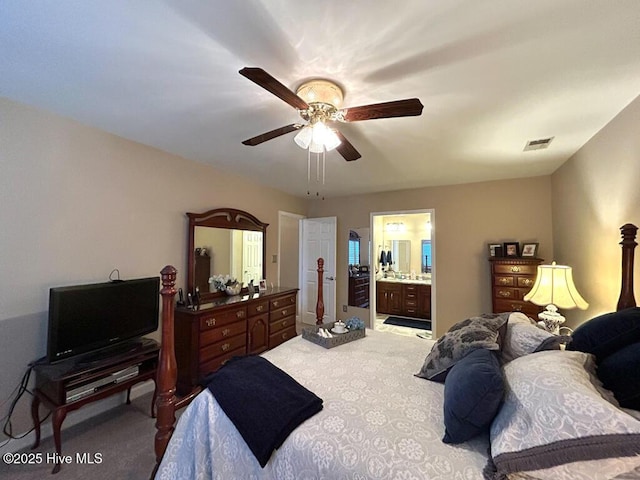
251,256
318,240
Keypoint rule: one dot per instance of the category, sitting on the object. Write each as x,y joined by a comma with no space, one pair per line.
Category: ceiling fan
319,103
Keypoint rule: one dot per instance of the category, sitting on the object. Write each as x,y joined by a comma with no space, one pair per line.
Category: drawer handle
259,308
515,269
284,313
240,313
275,303
516,308
224,362
284,336
225,347
504,293
503,281
292,300
527,281
226,332
211,322
284,324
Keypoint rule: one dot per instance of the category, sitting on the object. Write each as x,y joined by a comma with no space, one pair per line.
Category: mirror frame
229,218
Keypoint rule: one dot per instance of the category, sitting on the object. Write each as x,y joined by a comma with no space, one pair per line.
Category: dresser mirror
224,241
359,271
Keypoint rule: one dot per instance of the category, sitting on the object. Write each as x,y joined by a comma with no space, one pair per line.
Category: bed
380,420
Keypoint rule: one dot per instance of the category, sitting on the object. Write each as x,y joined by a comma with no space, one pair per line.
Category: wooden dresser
231,326
511,280
359,290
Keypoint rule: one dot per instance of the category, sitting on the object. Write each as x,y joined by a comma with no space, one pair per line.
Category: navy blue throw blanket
264,403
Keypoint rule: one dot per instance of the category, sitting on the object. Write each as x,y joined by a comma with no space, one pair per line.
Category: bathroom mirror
401,251
224,241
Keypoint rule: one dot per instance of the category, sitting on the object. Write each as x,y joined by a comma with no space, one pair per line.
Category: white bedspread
378,421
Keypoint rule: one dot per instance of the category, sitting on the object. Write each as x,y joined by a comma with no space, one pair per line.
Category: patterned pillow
524,337
556,413
464,337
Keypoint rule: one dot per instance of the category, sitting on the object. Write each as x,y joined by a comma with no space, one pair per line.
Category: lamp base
550,319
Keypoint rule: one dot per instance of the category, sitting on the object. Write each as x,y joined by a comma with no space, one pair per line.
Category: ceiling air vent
538,144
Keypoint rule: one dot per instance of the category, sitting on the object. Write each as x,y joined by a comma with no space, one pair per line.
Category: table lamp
554,288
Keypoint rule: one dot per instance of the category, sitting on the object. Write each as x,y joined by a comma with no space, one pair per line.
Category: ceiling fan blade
272,134
347,150
410,107
266,81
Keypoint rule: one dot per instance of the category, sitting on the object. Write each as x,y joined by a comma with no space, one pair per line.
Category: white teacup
339,327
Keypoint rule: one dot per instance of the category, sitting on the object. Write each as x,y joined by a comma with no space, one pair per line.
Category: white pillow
556,419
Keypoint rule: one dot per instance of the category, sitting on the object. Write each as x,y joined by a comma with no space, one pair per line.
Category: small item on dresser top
339,327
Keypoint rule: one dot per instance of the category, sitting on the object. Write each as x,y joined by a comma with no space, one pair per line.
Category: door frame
374,242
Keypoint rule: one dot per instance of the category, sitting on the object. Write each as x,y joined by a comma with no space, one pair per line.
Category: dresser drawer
507,293
225,317
214,364
517,306
285,301
220,348
526,282
282,336
281,313
258,308
213,335
278,325
515,269
505,281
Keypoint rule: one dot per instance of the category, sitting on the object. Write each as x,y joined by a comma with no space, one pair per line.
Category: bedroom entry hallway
403,276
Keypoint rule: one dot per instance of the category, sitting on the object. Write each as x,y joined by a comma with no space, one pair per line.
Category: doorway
404,270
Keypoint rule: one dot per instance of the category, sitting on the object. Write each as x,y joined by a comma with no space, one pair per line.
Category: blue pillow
607,333
620,373
473,392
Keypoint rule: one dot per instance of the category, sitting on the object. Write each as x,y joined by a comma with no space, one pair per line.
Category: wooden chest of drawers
232,326
511,280
359,290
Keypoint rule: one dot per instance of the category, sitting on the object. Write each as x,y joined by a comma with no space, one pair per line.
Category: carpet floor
122,436
408,322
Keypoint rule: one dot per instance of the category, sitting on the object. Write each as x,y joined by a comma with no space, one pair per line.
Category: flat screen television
89,318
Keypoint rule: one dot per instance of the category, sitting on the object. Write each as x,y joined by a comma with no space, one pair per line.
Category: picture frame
262,286
529,250
511,249
495,250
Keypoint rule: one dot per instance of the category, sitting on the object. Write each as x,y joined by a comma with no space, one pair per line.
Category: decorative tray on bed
311,334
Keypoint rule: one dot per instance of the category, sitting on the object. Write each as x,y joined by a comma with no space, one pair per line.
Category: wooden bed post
320,302
627,300
167,369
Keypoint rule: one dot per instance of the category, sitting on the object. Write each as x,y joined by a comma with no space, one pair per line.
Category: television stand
69,385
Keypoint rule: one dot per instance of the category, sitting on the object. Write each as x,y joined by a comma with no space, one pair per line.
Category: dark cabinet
405,299
359,290
389,298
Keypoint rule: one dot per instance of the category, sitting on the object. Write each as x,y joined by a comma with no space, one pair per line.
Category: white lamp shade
317,138
303,137
554,285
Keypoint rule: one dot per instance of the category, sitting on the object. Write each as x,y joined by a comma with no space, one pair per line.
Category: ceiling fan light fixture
303,137
321,91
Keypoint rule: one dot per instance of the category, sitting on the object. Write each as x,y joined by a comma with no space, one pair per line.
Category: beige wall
594,193
466,219
76,202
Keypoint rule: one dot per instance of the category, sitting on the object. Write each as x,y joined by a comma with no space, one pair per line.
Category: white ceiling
491,74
